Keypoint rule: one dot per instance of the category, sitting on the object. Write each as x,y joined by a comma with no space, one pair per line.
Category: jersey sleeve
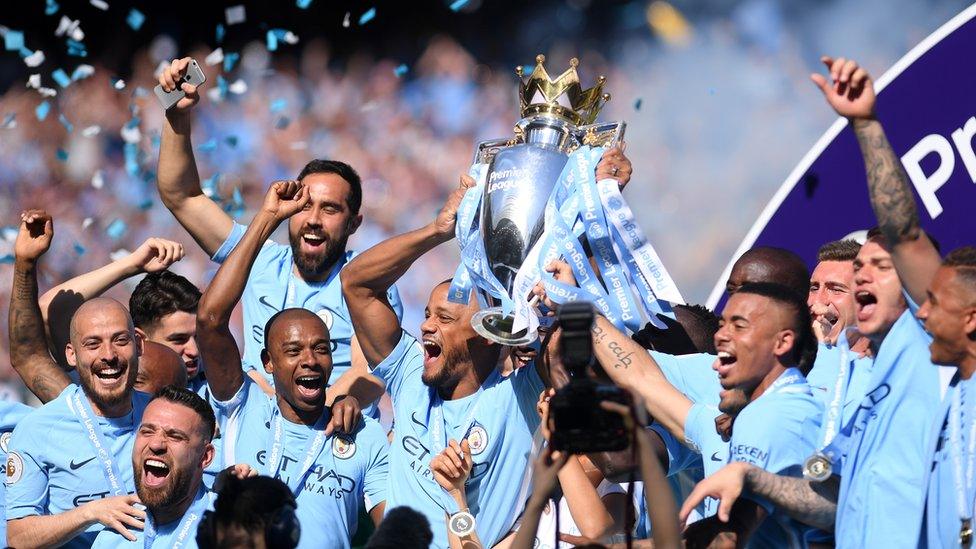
700,426
375,480
393,296
680,456
691,374
235,236
26,476
406,359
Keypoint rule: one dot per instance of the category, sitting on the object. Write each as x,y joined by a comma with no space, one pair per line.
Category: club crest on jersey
343,448
327,317
15,467
477,439
5,441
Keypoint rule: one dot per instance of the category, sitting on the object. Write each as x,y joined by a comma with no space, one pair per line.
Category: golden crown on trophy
563,97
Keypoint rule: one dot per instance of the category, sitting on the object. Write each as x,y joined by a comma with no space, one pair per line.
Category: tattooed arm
29,353
812,503
850,92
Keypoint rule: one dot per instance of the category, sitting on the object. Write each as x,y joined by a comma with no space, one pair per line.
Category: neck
176,510
860,345
304,417
968,364
111,410
322,277
767,381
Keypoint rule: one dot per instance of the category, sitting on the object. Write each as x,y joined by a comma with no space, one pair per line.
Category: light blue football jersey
776,432
344,473
268,287
54,464
10,415
883,477
180,534
691,374
502,424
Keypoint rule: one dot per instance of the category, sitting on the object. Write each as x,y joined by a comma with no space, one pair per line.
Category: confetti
230,59
238,87
345,20
222,86
91,131
209,185
70,28
79,249
118,83
400,71
282,123
10,233
131,153
64,122
34,81
278,105
98,179
219,33
303,4
235,15
47,92
51,7
61,78
9,121
116,229
7,259
367,17
76,48
135,19
140,92
41,111
274,35
100,4
34,59
147,203
13,40
130,132
209,146
637,104
82,71
62,154
86,223
215,57
231,141
458,4
121,253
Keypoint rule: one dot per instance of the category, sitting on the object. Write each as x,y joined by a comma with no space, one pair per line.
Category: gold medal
966,534
817,468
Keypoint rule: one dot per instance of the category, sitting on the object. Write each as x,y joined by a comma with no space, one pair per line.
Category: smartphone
194,75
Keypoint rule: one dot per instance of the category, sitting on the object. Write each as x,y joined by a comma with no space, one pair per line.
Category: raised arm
29,353
59,303
850,91
218,350
366,279
177,177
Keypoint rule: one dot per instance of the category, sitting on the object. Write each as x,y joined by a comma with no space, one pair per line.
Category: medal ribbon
312,450
186,526
86,417
963,459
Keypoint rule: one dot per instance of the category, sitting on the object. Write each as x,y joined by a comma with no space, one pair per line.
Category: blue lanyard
86,417
787,383
833,417
185,527
312,450
963,459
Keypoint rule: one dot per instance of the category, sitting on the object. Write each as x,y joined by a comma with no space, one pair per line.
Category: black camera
578,424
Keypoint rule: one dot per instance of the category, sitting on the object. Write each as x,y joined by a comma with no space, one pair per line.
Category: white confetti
34,59
235,15
98,180
71,28
82,71
10,234
119,84
91,131
345,21
131,135
238,87
121,253
215,57
290,38
100,4
47,92
213,94
86,223
34,81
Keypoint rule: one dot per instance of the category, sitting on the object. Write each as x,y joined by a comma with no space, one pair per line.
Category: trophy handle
606,134
486,150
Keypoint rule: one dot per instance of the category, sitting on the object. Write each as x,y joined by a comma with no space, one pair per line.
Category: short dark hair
160,294
343,170
274,318
839,250
193,401
963,261
252,504
402,527
804,351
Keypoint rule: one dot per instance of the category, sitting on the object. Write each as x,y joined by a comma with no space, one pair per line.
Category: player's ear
266,360
69,355
208,455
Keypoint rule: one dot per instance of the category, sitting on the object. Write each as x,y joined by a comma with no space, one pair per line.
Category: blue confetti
230,59
400,71
64,122
303,4
13,40
638,103
222,86
148,177
135,19
231,140
146,204
61,78
219,33
272,41
154,140
79,249
140,92
208,146
7,259
278,105
41,111
62,155
209,185
8,121
235,207
132,123
81,72
282,123
51,7
368,16
458,4
131,153
116,229
76,48
10,233
25,53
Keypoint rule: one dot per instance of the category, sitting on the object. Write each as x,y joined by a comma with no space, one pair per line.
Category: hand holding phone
178,84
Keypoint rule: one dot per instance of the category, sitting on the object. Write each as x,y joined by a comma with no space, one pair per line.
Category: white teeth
156,463
313,238
724,354
109,372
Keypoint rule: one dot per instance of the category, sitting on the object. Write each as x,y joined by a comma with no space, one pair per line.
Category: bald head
286,316
770,265
97,306
159,366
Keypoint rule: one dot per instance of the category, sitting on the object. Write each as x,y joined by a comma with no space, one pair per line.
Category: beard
107,398
165,496
733,403
449,372
315,265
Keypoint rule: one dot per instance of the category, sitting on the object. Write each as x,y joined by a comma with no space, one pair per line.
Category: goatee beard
315,267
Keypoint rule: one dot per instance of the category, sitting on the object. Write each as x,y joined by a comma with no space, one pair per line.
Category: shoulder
369,435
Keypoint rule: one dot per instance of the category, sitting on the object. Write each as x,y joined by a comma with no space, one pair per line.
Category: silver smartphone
194,75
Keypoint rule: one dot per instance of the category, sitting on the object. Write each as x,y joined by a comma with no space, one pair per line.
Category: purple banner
927,103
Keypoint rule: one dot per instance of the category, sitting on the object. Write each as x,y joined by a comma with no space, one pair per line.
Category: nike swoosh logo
74,466
413,418
264,301
716,458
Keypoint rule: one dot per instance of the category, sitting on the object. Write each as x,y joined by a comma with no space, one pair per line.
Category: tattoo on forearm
888,184
623,358
814,503
28,345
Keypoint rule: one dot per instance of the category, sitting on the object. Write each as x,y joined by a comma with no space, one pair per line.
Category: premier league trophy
558,117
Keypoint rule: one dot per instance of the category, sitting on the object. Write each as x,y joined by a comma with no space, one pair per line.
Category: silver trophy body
520,178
